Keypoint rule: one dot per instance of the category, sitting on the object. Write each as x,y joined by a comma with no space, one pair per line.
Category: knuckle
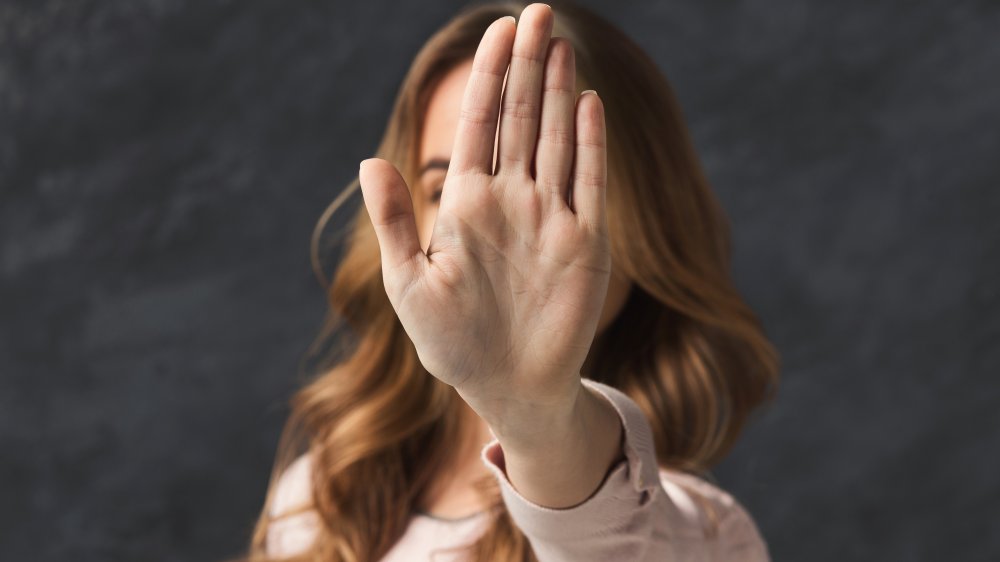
558,136
484,70
549,184
509,161
476,115
589,179
390,218
529,58
554,89
591,141
519,109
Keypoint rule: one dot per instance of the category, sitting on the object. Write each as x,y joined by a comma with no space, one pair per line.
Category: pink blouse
641,512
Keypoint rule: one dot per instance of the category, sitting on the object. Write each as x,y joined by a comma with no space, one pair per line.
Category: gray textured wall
162,163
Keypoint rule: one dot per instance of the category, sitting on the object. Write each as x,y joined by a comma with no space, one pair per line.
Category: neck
452,494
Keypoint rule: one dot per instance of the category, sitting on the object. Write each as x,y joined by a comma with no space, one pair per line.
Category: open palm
504,303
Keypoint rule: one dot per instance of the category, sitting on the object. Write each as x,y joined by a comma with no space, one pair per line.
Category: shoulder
293,489
715,512
293,523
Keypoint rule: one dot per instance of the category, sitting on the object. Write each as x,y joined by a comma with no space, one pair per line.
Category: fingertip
538,12
362,164
590,112
498,24
594,100
561,52
540,6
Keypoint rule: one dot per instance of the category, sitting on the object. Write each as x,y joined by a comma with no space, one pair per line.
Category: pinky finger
590,177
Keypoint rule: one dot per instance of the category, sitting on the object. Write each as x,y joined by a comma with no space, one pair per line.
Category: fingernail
511,18
588,92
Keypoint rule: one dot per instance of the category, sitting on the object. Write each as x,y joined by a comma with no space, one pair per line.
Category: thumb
387,199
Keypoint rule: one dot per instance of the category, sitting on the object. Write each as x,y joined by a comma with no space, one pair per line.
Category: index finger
477,120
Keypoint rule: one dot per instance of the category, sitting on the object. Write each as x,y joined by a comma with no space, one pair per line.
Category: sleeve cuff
621,500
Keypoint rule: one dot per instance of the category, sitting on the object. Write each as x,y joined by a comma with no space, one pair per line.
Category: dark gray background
162,164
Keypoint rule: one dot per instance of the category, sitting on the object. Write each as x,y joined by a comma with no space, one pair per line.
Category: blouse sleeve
631,516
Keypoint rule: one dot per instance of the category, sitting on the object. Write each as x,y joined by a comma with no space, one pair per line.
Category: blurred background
162,164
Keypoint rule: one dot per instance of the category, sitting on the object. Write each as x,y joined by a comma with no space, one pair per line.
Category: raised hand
504,303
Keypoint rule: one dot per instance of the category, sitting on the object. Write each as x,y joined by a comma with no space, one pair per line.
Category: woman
547,352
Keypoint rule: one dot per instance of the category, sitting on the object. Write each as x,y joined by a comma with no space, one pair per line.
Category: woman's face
440,125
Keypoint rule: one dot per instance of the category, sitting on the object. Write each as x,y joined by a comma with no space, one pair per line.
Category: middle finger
521,105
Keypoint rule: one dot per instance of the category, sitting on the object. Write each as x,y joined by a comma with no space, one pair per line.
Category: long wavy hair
685,346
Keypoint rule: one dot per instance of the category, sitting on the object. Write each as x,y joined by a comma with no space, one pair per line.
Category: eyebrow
434,164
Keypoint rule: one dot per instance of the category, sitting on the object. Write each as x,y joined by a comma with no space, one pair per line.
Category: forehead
441,119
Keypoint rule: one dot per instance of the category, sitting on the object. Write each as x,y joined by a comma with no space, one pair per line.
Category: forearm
558,455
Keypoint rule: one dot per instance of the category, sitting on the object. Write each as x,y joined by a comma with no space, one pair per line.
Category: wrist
562,460
533,423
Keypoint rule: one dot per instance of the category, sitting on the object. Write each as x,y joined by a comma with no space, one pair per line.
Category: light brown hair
685,346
